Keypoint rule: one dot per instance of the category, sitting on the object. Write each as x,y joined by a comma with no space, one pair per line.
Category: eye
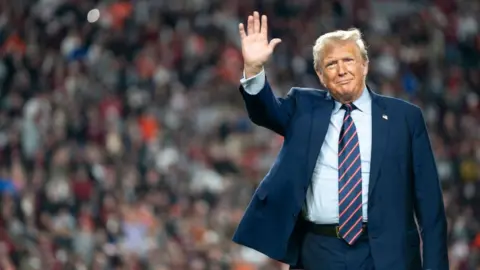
330,64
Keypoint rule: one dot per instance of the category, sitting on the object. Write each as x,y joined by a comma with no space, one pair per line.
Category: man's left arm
429,205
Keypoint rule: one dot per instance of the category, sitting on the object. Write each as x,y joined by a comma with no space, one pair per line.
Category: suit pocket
259,202
261,193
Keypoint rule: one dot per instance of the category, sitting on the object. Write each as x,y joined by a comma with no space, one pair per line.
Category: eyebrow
343,58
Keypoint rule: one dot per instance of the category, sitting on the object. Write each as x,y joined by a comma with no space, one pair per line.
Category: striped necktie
350,180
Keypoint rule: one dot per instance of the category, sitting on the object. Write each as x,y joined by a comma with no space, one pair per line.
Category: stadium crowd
124,143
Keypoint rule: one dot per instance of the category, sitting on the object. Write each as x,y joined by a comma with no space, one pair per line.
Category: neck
346,99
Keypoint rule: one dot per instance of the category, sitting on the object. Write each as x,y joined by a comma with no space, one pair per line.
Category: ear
365,68
320,77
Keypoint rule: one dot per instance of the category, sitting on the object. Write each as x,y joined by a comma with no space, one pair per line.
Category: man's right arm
253,85
264,109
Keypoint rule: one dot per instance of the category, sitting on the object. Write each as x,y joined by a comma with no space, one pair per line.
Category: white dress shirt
321,205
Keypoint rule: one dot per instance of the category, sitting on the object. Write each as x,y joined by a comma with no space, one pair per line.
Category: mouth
344,82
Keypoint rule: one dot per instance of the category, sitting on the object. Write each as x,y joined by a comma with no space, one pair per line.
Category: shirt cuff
254,84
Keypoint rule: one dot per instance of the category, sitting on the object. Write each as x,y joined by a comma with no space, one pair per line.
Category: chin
346,90
345,94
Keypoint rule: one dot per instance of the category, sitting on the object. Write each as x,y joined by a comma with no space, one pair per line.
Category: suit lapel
322,111
380,133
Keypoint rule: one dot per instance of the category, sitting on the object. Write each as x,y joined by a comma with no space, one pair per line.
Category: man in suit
355,174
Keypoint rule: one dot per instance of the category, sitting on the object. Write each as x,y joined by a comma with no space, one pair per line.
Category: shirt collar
363,103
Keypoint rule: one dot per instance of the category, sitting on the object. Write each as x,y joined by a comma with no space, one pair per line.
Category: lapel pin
385,117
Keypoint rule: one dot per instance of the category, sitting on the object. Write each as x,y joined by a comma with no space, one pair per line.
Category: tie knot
349,107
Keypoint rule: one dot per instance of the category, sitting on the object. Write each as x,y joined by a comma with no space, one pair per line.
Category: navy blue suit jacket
403,181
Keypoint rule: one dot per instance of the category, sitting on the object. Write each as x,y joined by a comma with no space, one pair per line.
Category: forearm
429,200
264,109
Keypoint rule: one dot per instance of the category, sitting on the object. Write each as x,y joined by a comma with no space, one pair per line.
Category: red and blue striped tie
350,180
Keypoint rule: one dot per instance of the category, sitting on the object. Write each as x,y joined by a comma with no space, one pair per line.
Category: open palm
256,49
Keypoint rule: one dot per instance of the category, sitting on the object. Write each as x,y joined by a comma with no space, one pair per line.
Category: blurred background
125,144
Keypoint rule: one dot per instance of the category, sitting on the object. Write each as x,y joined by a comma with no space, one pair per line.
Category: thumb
273,43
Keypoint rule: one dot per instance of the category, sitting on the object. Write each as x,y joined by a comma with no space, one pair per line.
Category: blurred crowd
125,144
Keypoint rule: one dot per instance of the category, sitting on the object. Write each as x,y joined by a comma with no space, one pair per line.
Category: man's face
343,70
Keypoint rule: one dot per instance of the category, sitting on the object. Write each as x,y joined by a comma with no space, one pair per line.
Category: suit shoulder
400,104
306,91
412,113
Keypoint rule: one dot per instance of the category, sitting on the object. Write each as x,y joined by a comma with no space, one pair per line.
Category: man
356,171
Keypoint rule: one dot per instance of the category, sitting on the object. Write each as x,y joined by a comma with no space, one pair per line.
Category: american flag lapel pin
385,117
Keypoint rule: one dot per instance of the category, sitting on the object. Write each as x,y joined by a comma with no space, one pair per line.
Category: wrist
251,70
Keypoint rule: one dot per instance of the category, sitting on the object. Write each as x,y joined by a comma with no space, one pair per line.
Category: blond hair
338,36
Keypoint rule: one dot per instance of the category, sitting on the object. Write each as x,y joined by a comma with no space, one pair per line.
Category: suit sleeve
429,206
263,107
254,84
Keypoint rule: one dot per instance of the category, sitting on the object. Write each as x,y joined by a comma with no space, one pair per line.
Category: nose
342,70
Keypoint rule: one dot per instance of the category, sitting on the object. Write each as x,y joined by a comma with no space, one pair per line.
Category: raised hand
256,49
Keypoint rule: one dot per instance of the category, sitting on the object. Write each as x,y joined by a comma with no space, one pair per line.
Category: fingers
254,26
241,29
256,22
264,27
273,43
250,25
